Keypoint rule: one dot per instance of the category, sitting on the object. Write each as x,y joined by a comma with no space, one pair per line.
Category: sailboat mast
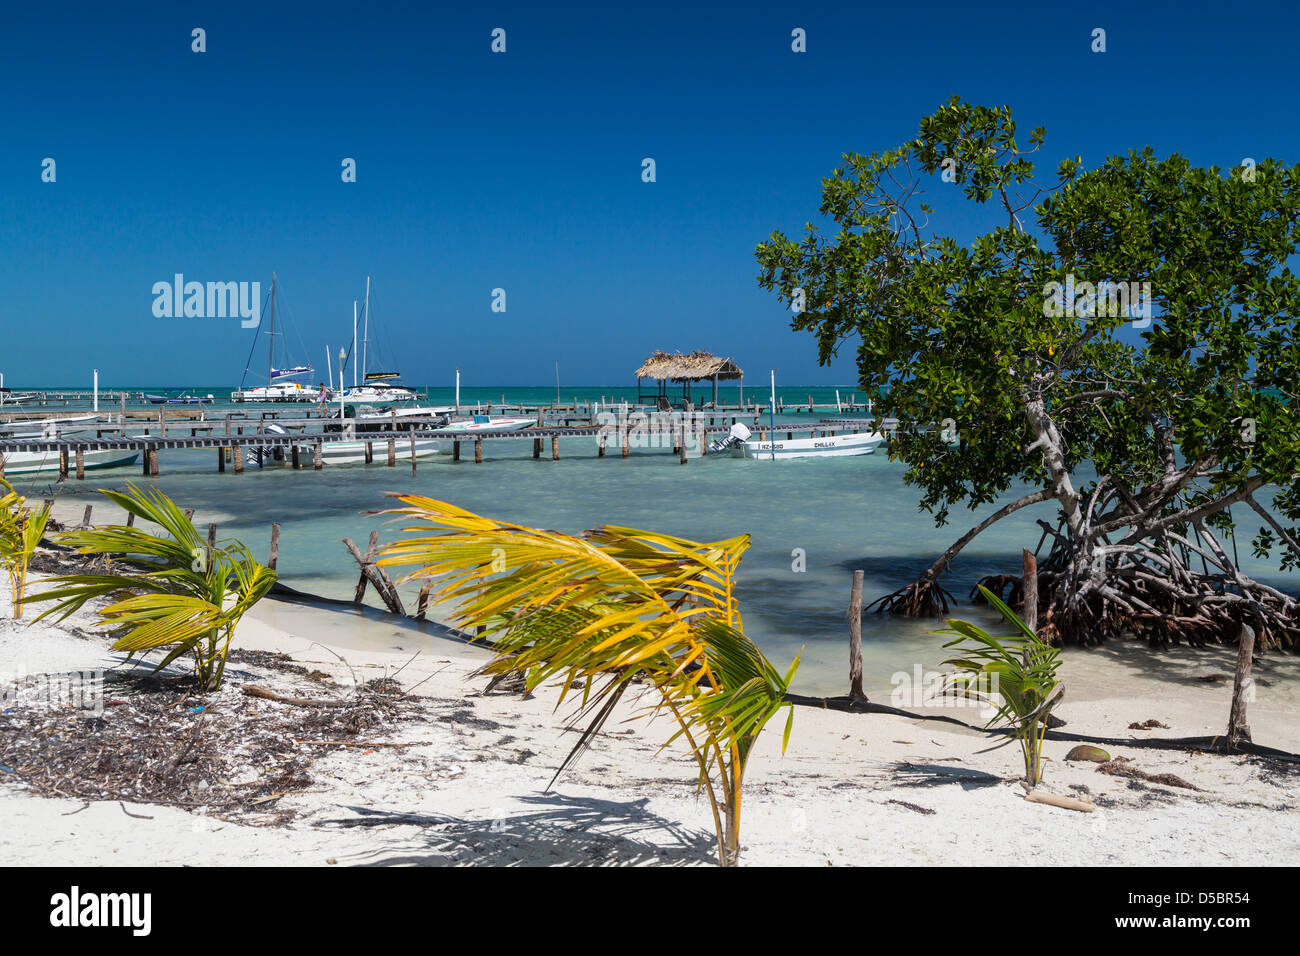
365,335
354,345
270,353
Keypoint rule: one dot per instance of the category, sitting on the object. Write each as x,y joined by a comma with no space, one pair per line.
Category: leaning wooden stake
275,546
855,638
1238,729
422,606
375,575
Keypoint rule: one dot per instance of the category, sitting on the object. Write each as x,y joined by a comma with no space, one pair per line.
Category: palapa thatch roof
696,367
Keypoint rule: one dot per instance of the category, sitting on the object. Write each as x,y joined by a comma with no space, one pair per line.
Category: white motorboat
9,397
368,394
489,423
738,443
341,452
31,462
47,428
354,452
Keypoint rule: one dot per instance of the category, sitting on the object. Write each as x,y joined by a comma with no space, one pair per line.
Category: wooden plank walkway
624,433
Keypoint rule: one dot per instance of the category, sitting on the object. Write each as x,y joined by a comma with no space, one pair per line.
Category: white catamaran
375,388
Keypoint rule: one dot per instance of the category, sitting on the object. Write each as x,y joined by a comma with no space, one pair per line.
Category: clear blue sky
523,170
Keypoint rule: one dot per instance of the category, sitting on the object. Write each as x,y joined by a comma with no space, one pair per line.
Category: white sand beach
469,786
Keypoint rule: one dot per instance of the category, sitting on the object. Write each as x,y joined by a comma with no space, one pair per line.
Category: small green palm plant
171,590
1014,675
611,610
22,527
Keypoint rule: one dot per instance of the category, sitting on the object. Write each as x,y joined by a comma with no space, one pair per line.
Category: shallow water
838,514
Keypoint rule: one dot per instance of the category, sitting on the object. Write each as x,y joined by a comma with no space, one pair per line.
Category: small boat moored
828,446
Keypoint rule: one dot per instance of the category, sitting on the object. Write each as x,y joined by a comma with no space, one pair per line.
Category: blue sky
523,171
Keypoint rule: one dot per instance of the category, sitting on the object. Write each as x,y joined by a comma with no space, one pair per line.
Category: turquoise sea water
838,514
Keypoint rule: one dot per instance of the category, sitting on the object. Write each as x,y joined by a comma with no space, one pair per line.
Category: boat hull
503,424
31,462
277,393
834,446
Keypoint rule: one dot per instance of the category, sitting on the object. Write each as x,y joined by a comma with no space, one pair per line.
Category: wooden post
63,464
478,451
681,442
1242,685
372,573
81,465
153,462
412,433
370,452
275,546
221,461
537,448
370,556
455,451
316,462
162,422
392,452
600,446
1029,588
130,516
85,519
237,453
627,450
855,638
212,535
555,448
293,454
422,606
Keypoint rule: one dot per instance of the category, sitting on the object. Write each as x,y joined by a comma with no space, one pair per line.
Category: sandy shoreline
852,790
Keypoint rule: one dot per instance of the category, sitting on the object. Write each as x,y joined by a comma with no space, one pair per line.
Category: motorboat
739,444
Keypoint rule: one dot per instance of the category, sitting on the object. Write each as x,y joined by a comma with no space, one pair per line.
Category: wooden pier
235,434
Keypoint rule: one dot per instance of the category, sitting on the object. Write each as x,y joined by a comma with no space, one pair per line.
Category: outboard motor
738,435
261,454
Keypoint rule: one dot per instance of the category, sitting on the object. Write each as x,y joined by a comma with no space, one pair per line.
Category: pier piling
855,638
478,451
274,556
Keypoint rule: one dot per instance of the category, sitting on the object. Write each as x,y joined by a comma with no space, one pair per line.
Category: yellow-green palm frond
169,589
602,612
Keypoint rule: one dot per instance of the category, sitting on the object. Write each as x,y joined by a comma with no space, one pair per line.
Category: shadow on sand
563,831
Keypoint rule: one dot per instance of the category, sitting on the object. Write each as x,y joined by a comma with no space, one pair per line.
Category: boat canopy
280,374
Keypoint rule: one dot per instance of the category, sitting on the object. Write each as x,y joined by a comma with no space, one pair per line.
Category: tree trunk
855,638
1242,685
1029,588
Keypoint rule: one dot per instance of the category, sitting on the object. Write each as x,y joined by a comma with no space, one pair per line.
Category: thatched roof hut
696,367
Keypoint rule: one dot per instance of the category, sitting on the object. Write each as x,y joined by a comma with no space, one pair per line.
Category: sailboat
281,384
380,388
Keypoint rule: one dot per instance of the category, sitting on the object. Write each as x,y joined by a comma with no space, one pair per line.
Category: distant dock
234,434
